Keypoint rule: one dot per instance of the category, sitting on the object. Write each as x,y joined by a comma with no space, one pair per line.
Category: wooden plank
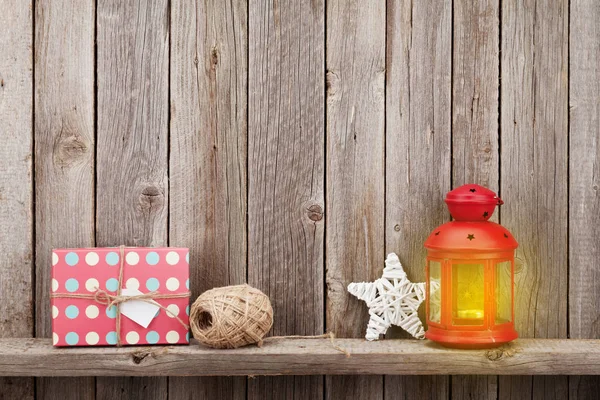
209,47
475,114
516,388
285,356
584,183
410,387
355,172
418,123
534,169
225,387
286,174
132,165
521,387
475,78
418,128
474,387
64,157
16,180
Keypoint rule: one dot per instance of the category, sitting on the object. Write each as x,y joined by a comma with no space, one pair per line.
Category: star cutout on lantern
485,214
472,190
471,237
392,300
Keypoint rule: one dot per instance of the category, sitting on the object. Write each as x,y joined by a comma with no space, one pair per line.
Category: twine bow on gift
110,300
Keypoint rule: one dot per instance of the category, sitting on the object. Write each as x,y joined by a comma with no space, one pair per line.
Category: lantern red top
471,206
472,203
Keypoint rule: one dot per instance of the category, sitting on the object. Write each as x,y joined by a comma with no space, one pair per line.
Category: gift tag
139,311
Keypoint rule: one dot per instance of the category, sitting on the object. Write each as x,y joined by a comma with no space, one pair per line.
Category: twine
109,300
231,317
235,316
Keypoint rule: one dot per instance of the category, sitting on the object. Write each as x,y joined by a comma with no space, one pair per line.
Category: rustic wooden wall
291,144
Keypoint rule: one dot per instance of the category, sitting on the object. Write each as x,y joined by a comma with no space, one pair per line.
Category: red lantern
470,274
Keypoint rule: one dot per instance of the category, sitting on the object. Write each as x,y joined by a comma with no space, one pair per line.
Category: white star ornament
392,300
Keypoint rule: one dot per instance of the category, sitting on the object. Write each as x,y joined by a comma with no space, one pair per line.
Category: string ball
231,316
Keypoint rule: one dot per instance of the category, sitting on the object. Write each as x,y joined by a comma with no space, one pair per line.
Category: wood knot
501,352
69,149
494,354
151,191
151,198
331,83
214,56
138,356
519,265
315,212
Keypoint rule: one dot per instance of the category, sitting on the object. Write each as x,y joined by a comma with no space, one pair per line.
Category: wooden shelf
37,357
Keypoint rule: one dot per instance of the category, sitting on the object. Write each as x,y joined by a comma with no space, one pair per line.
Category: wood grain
355,172
411,387
208,85
418,142
475,91
29,357
132,164
16,181
286,174
474,387
223,387
522,387
64,156
534,178
516,388
475,115
131,388
584,183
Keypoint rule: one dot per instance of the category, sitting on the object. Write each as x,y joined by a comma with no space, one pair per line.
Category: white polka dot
132,258
92,258
54,311
132,283
92,311
172,258
92,338
132,337
173,310
54,285
172,337
92,284
172,284
54,339
54,258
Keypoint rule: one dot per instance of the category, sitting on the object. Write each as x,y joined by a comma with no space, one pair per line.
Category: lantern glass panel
435,298
468,294
503,292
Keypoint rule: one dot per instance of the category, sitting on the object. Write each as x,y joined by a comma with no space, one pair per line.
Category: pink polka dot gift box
117,296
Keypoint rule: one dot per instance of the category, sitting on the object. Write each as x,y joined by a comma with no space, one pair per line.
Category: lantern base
472,339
